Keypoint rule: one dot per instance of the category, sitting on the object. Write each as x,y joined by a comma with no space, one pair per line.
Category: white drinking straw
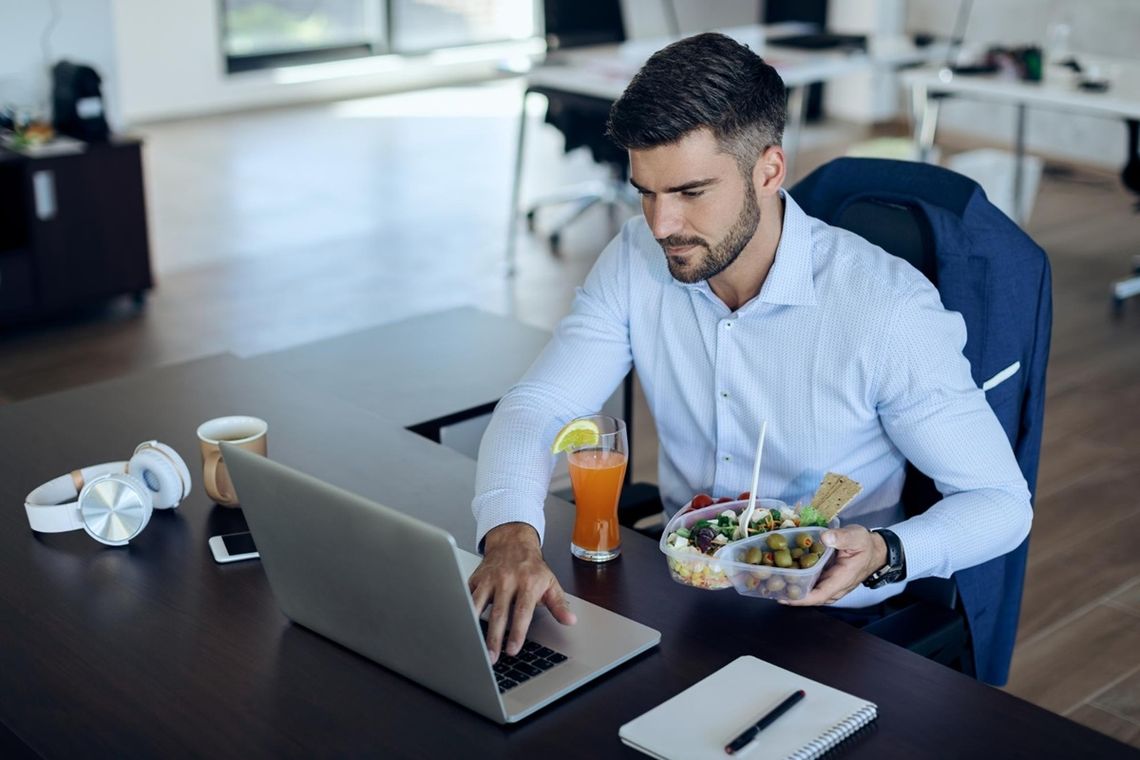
747,516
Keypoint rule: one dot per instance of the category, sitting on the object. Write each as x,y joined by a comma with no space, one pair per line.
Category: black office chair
580,118
1130,176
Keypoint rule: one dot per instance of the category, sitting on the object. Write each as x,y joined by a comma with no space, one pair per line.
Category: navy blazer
999,280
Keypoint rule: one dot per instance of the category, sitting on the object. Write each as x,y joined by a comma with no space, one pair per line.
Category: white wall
171,64
83,34
1106,27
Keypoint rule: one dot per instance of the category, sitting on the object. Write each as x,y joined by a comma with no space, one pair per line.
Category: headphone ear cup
115,508
162,472
179,465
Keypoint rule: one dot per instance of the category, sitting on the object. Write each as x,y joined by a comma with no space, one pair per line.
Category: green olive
775,583
777,541
754,556
797,553
818,548
768,559
794,592
808,560
783,558
803,540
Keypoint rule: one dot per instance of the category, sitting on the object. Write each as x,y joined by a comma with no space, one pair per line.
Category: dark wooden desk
154,650
451,363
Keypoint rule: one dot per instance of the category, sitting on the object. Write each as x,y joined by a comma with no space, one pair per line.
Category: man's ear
770,170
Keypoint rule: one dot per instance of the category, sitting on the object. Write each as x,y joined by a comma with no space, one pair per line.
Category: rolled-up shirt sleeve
578,370
941,422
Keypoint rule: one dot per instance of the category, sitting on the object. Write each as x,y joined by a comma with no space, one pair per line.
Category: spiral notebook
701,720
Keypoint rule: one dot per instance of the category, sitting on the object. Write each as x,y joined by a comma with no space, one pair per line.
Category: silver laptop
394,589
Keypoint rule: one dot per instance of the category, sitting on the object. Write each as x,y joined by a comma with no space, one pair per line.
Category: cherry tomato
744,496
701,500
724,500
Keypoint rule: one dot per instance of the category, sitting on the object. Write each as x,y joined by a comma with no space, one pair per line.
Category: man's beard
719,257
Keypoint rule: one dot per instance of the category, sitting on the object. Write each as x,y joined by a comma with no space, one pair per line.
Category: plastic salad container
771,581
692,567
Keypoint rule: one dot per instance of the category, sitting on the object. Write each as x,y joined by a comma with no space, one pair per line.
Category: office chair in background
987,269
581,118
1130,176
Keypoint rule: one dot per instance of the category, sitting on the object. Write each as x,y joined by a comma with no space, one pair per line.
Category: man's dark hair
708,80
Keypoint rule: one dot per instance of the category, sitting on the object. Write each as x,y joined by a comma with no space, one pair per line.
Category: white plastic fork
746,517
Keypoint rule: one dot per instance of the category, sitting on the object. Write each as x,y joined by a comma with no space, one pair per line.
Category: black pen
750,733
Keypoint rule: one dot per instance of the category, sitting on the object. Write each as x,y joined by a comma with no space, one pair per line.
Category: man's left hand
858,553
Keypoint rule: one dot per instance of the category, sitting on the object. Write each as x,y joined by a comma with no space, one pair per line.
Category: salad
707,535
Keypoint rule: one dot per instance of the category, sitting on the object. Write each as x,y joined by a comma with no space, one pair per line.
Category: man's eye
692,193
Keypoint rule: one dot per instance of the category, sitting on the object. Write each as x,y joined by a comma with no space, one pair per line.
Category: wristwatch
895,568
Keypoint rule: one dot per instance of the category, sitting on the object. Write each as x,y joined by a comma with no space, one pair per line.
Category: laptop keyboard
531,660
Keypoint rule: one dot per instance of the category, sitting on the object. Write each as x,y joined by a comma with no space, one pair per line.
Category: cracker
834,493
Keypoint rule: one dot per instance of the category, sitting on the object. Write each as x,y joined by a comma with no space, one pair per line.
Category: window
261,34
419,25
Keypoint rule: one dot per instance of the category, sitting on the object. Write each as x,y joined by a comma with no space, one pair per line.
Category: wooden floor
276,228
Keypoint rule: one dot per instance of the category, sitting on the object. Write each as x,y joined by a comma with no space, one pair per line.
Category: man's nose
664,218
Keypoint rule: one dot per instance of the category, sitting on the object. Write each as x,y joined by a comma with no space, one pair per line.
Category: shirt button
724,394
727,458
727,325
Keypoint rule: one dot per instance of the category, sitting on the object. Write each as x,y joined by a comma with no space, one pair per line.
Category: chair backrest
987,269
898,228
574,23
582,118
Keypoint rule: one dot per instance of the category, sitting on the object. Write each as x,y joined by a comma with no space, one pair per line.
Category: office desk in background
601,72
155,650
1058,91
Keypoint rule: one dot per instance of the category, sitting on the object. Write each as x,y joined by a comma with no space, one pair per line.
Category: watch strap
894,570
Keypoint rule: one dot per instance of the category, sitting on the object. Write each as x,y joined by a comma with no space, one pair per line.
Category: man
735,307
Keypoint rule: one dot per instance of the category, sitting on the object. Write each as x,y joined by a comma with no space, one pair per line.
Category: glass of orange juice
597,471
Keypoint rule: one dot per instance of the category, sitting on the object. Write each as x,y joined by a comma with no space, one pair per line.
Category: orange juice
597,476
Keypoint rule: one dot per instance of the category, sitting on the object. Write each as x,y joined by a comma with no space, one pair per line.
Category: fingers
850,538
555,600
832,586
496,626
823,593
480,594
523,613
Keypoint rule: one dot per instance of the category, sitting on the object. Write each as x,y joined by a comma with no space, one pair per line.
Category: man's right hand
513,574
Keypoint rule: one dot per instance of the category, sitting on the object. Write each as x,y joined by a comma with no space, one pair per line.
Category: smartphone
233,547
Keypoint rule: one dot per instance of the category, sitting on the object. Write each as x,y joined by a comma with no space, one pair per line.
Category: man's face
700,208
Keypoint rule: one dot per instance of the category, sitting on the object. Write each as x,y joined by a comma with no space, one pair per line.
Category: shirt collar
790,281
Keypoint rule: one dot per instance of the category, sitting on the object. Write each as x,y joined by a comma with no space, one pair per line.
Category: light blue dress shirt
848,354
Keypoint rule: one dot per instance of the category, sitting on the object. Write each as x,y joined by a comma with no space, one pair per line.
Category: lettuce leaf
809,515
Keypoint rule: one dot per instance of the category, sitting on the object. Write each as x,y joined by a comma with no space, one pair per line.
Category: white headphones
112,502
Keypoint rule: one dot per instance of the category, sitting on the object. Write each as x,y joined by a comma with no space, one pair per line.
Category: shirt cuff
921,547
861,596
493,509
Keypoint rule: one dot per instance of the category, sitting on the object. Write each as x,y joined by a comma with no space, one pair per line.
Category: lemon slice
576,434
